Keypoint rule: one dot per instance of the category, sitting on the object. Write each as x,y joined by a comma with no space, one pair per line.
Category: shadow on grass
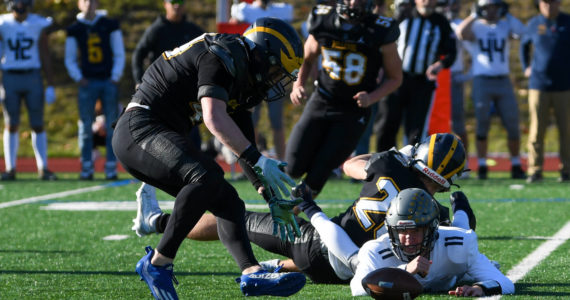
21,251
529,289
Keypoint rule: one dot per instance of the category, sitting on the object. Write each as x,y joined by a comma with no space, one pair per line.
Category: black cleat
564,177
8,175
482,172
459,201
535,177
47,175
517,172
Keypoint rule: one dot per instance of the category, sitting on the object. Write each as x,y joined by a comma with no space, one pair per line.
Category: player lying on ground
384,175
442,259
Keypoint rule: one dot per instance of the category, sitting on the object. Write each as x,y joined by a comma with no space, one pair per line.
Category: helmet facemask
413,208
19,6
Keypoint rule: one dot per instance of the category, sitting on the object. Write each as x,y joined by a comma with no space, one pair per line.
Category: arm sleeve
448,46
118,55
71,59
368,260
140,53
481,269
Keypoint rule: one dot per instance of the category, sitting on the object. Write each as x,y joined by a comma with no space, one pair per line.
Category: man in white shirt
486,32
24,51
444,259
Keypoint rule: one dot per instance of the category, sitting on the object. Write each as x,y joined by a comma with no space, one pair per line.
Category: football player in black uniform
354,44
326,251
213,79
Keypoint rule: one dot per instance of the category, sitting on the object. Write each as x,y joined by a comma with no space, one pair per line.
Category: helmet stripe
430,151
290,63
447,157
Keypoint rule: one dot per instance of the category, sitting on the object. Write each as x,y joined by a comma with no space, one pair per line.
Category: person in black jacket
426,45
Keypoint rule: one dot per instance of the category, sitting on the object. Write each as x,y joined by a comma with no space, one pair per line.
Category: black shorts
307,251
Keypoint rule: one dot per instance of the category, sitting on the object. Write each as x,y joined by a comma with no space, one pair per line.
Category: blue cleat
158,279
273,284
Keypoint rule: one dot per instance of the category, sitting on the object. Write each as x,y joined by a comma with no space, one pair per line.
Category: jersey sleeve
390,28
373,255
317,18
213,79
480,267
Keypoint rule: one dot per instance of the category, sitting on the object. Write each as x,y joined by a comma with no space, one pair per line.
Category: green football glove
270,171
284,218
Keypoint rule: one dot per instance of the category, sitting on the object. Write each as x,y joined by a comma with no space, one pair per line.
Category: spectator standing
451,10
487,32
247,13
165,33
426,45
549,85
98,69
25,49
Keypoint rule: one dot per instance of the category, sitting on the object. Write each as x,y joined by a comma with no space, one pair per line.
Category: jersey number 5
368,210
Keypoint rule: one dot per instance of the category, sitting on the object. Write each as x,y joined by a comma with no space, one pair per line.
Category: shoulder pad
231,51
386,29
319,17
458,243
372,160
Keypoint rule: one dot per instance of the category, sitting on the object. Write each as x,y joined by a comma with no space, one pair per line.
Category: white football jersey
454,256
20,41
458,63
490,49
248,13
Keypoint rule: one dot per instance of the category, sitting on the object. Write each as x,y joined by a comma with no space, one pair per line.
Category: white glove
49,95
273,176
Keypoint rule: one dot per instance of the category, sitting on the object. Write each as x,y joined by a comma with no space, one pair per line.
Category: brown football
391,283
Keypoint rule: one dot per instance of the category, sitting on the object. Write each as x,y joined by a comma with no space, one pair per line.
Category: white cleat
147,211
270,265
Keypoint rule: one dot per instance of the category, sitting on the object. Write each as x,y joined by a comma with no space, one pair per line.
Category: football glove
284,219
270,172
49,95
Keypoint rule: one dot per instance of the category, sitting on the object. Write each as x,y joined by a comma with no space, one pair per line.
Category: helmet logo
289,60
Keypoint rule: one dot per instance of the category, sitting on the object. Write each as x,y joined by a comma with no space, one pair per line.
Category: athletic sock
11,143
482,162
39,143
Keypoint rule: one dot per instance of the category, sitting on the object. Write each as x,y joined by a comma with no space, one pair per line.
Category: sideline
538,255
65,193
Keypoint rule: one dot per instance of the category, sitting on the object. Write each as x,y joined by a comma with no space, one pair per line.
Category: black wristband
490,287
250,155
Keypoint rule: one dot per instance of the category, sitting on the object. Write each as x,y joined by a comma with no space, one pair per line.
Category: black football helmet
19,6
441,157
412,208
277,56
360,10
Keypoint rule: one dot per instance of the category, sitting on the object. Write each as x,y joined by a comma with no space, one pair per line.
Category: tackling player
327,250
439,257
214,79
354,44
24,50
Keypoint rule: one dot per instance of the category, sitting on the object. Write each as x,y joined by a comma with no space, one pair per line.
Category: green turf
50,254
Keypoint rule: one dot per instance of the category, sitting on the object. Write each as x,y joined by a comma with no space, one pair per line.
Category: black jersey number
493,45
367,209
20,46
349,67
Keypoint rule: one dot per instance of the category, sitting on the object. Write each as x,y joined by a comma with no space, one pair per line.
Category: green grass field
50,253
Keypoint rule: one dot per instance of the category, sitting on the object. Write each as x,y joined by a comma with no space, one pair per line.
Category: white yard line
538,255
63,194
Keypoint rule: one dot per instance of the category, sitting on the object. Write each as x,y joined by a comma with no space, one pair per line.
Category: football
391,283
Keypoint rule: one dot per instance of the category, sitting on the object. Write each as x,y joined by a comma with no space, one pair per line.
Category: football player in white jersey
444,259
486,33
24,48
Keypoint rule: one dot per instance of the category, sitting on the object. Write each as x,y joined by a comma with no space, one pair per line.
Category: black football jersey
174,83
387,175
351,56
94,42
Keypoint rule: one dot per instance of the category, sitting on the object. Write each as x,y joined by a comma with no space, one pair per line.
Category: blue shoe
273,284
158,279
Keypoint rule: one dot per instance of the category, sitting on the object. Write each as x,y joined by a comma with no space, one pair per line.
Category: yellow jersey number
367,207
